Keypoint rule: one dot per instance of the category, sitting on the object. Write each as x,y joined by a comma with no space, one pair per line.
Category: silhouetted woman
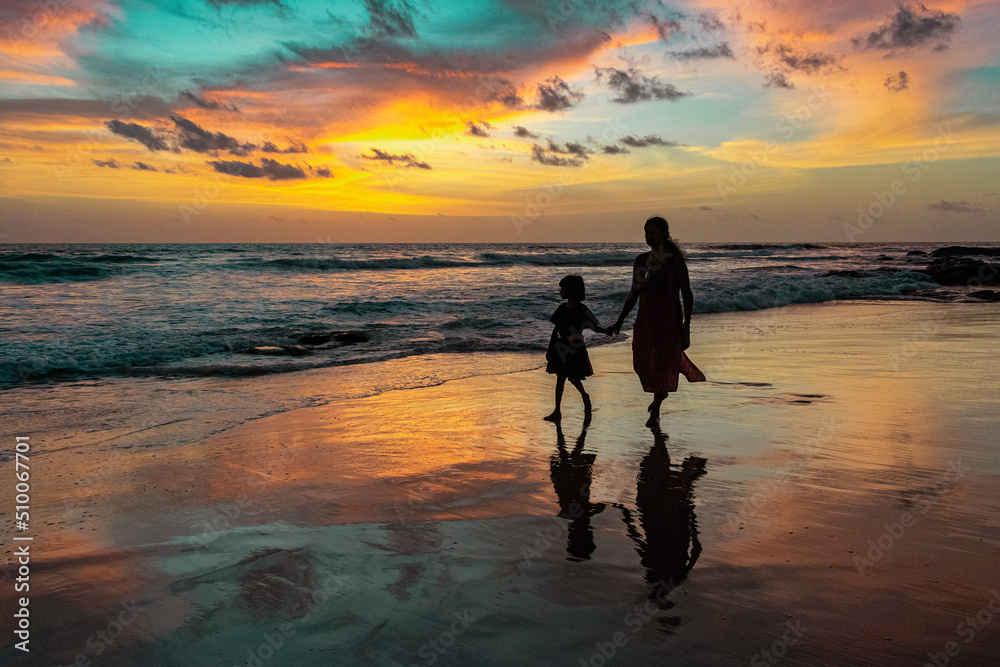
664,498
659,280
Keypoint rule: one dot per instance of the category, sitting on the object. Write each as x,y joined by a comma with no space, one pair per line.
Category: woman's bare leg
654,408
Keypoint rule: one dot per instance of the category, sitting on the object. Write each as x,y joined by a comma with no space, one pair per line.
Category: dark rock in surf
986,295
965,251
915,252
351,337
315,338
963,271
342,337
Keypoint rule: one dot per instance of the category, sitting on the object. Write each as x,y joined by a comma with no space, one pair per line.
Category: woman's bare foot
554,417
586,404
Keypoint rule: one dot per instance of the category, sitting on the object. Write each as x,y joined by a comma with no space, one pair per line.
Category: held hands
614,329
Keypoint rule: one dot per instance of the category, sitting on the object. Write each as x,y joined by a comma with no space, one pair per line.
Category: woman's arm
630,299
685,284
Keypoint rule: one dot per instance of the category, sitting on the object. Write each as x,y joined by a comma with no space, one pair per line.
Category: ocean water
85,311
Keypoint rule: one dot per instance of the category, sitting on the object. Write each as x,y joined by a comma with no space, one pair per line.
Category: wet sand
827,498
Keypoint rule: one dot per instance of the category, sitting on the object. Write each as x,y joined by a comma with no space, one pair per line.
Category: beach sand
827,498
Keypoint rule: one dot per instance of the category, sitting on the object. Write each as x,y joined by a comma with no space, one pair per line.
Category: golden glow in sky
497,121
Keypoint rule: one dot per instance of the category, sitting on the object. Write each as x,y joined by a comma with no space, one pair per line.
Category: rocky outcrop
351,337
315,338
965,251
963,271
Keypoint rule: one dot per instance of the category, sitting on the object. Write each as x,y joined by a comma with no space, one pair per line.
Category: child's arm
592,323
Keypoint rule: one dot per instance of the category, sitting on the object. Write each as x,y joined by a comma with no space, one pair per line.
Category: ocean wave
34,267
561,258
485,259
138,352
768,246
774,291
335,264
122,259
769,254
387,307
26,256
130,327
33,273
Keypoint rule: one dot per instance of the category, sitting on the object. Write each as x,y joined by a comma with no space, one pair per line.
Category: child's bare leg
586,397
556,414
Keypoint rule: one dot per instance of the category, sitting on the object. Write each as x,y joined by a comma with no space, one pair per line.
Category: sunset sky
502,120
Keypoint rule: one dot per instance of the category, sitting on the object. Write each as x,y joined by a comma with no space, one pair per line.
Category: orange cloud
35,79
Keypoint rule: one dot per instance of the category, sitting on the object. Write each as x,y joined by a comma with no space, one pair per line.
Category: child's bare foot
586,404
554,417
653,420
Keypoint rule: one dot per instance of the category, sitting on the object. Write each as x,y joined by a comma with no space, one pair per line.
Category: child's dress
567,353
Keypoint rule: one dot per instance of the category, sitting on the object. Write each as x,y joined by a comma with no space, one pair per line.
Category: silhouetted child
567,355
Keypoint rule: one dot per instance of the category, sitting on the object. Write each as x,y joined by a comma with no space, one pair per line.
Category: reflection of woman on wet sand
572,473
659,279
664,500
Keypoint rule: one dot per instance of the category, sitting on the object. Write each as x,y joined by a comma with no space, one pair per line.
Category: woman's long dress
657,356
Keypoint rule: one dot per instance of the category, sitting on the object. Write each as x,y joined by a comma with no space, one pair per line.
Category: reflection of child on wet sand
567,356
